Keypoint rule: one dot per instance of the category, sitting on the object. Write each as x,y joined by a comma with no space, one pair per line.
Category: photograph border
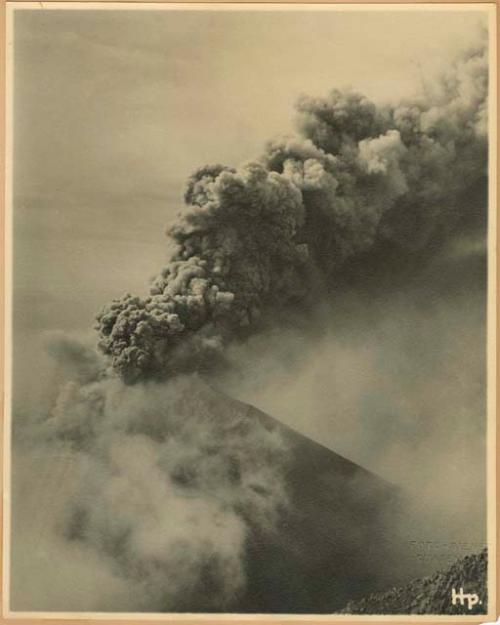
493,321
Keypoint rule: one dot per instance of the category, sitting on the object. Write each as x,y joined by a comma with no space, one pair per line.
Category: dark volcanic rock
332,543
432,595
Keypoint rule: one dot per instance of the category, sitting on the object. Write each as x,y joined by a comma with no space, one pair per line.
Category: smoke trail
356,185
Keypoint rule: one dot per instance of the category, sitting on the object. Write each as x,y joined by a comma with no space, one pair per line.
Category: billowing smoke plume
355,182
166,483
237,251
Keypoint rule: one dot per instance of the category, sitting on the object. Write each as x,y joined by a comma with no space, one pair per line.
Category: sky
114,110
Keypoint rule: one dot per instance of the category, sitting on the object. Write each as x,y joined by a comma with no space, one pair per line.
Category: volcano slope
333,541
140,466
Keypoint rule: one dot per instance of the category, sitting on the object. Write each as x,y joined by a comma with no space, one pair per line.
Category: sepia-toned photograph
250,310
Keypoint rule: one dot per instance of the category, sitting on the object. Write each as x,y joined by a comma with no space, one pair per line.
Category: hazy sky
114,109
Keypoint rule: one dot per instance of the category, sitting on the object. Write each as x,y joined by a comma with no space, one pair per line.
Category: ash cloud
158,487
357,185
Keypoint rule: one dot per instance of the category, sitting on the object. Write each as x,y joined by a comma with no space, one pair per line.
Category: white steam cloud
166,482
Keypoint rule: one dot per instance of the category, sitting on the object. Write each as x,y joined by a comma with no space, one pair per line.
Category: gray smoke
161,483
281,231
